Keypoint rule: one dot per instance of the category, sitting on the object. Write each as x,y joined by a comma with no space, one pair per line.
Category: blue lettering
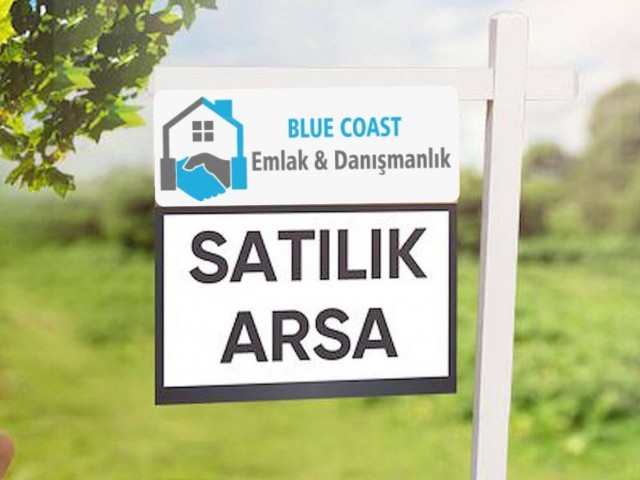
359,127
370,127
386,129
396,129
343,126
311,127
294,131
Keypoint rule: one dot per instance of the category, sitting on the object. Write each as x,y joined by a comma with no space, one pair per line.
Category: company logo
202,151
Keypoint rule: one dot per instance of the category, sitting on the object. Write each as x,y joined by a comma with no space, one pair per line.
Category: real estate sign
305,242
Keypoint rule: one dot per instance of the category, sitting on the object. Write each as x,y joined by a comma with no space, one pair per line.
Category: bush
539,197
578,348
629,213
70,220
546,160
575,349
578,248
126,215
469,210
44,220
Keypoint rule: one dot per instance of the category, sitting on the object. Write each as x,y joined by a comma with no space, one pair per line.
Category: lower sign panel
304,302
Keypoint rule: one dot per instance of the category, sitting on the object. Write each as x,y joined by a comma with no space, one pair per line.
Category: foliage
614,126
48,221
578,248
629,215
70,69
610,167
582,383
118,208
596,193
539,198
127,209
546,160
575,342
6,29
82,329
469,210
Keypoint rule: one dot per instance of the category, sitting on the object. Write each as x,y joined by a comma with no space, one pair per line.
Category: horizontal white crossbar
472,83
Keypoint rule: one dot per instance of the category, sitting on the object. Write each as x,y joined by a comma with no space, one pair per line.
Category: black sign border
302,390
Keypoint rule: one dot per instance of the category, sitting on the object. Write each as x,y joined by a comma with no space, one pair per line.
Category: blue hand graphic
197,183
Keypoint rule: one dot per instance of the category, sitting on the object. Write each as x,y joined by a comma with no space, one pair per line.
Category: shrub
629,212
546,160
44,220
575,349
539,197
126,215
469,210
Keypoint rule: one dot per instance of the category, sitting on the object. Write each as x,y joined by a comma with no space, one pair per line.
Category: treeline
571,205
117,208
592,196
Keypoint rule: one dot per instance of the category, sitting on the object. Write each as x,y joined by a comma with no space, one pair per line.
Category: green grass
76,385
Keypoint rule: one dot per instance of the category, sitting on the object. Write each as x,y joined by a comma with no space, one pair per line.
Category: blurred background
76,263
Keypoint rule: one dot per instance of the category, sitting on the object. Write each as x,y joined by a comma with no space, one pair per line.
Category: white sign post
499,245
506,84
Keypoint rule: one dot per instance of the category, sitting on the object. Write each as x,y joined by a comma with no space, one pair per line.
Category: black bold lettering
251,240
199,251
344,272
375,253
375,316
244,320
295,339
324,254
404,252
296,237
323,329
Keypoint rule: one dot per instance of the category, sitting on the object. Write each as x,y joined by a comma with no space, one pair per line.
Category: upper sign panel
306,146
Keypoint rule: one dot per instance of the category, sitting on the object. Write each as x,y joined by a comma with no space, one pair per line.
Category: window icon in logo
202,149
203,131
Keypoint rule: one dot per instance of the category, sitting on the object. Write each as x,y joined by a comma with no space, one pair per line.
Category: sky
600,39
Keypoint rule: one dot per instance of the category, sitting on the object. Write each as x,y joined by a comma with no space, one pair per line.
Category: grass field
76,384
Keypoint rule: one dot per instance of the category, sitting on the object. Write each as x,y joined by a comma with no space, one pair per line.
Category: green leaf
169,17
118,115
70,69
131,119
188,11
129,115
79,77
163,22
211,4
16,123
24,169
6,28
65,79
11,52
8,144
62,183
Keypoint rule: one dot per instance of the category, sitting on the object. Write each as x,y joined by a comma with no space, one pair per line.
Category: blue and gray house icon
203,151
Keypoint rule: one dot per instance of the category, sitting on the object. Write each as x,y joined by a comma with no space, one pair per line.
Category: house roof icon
236,177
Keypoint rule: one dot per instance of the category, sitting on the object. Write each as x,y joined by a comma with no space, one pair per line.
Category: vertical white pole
508,34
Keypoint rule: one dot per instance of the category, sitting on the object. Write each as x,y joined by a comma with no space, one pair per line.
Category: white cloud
600,39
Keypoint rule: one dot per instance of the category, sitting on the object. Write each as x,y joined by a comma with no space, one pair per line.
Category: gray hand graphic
216,166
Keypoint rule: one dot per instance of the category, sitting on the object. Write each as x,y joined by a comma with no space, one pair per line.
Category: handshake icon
206,126
203,176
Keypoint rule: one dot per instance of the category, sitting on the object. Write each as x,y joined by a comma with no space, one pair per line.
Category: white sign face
306,146
300,302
